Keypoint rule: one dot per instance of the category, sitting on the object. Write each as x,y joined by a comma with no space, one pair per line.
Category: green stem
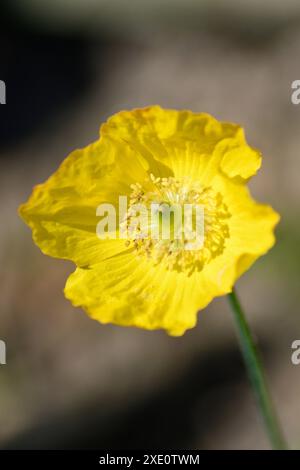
256,375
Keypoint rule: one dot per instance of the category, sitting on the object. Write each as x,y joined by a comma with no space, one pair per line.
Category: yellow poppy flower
159,155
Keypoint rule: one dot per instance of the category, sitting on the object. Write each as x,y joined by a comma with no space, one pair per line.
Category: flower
161,156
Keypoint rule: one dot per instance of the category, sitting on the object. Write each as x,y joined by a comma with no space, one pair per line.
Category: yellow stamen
174,252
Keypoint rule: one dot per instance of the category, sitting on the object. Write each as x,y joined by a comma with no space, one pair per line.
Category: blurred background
70,382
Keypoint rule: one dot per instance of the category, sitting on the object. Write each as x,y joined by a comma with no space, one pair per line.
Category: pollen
177,222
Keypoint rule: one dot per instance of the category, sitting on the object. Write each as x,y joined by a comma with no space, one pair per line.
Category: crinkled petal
62,211
132,291
189,144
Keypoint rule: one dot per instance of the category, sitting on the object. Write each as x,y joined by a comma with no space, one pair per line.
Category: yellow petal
238,158
132,291
188,144
62,211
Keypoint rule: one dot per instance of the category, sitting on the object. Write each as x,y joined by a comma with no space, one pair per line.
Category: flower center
176,222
